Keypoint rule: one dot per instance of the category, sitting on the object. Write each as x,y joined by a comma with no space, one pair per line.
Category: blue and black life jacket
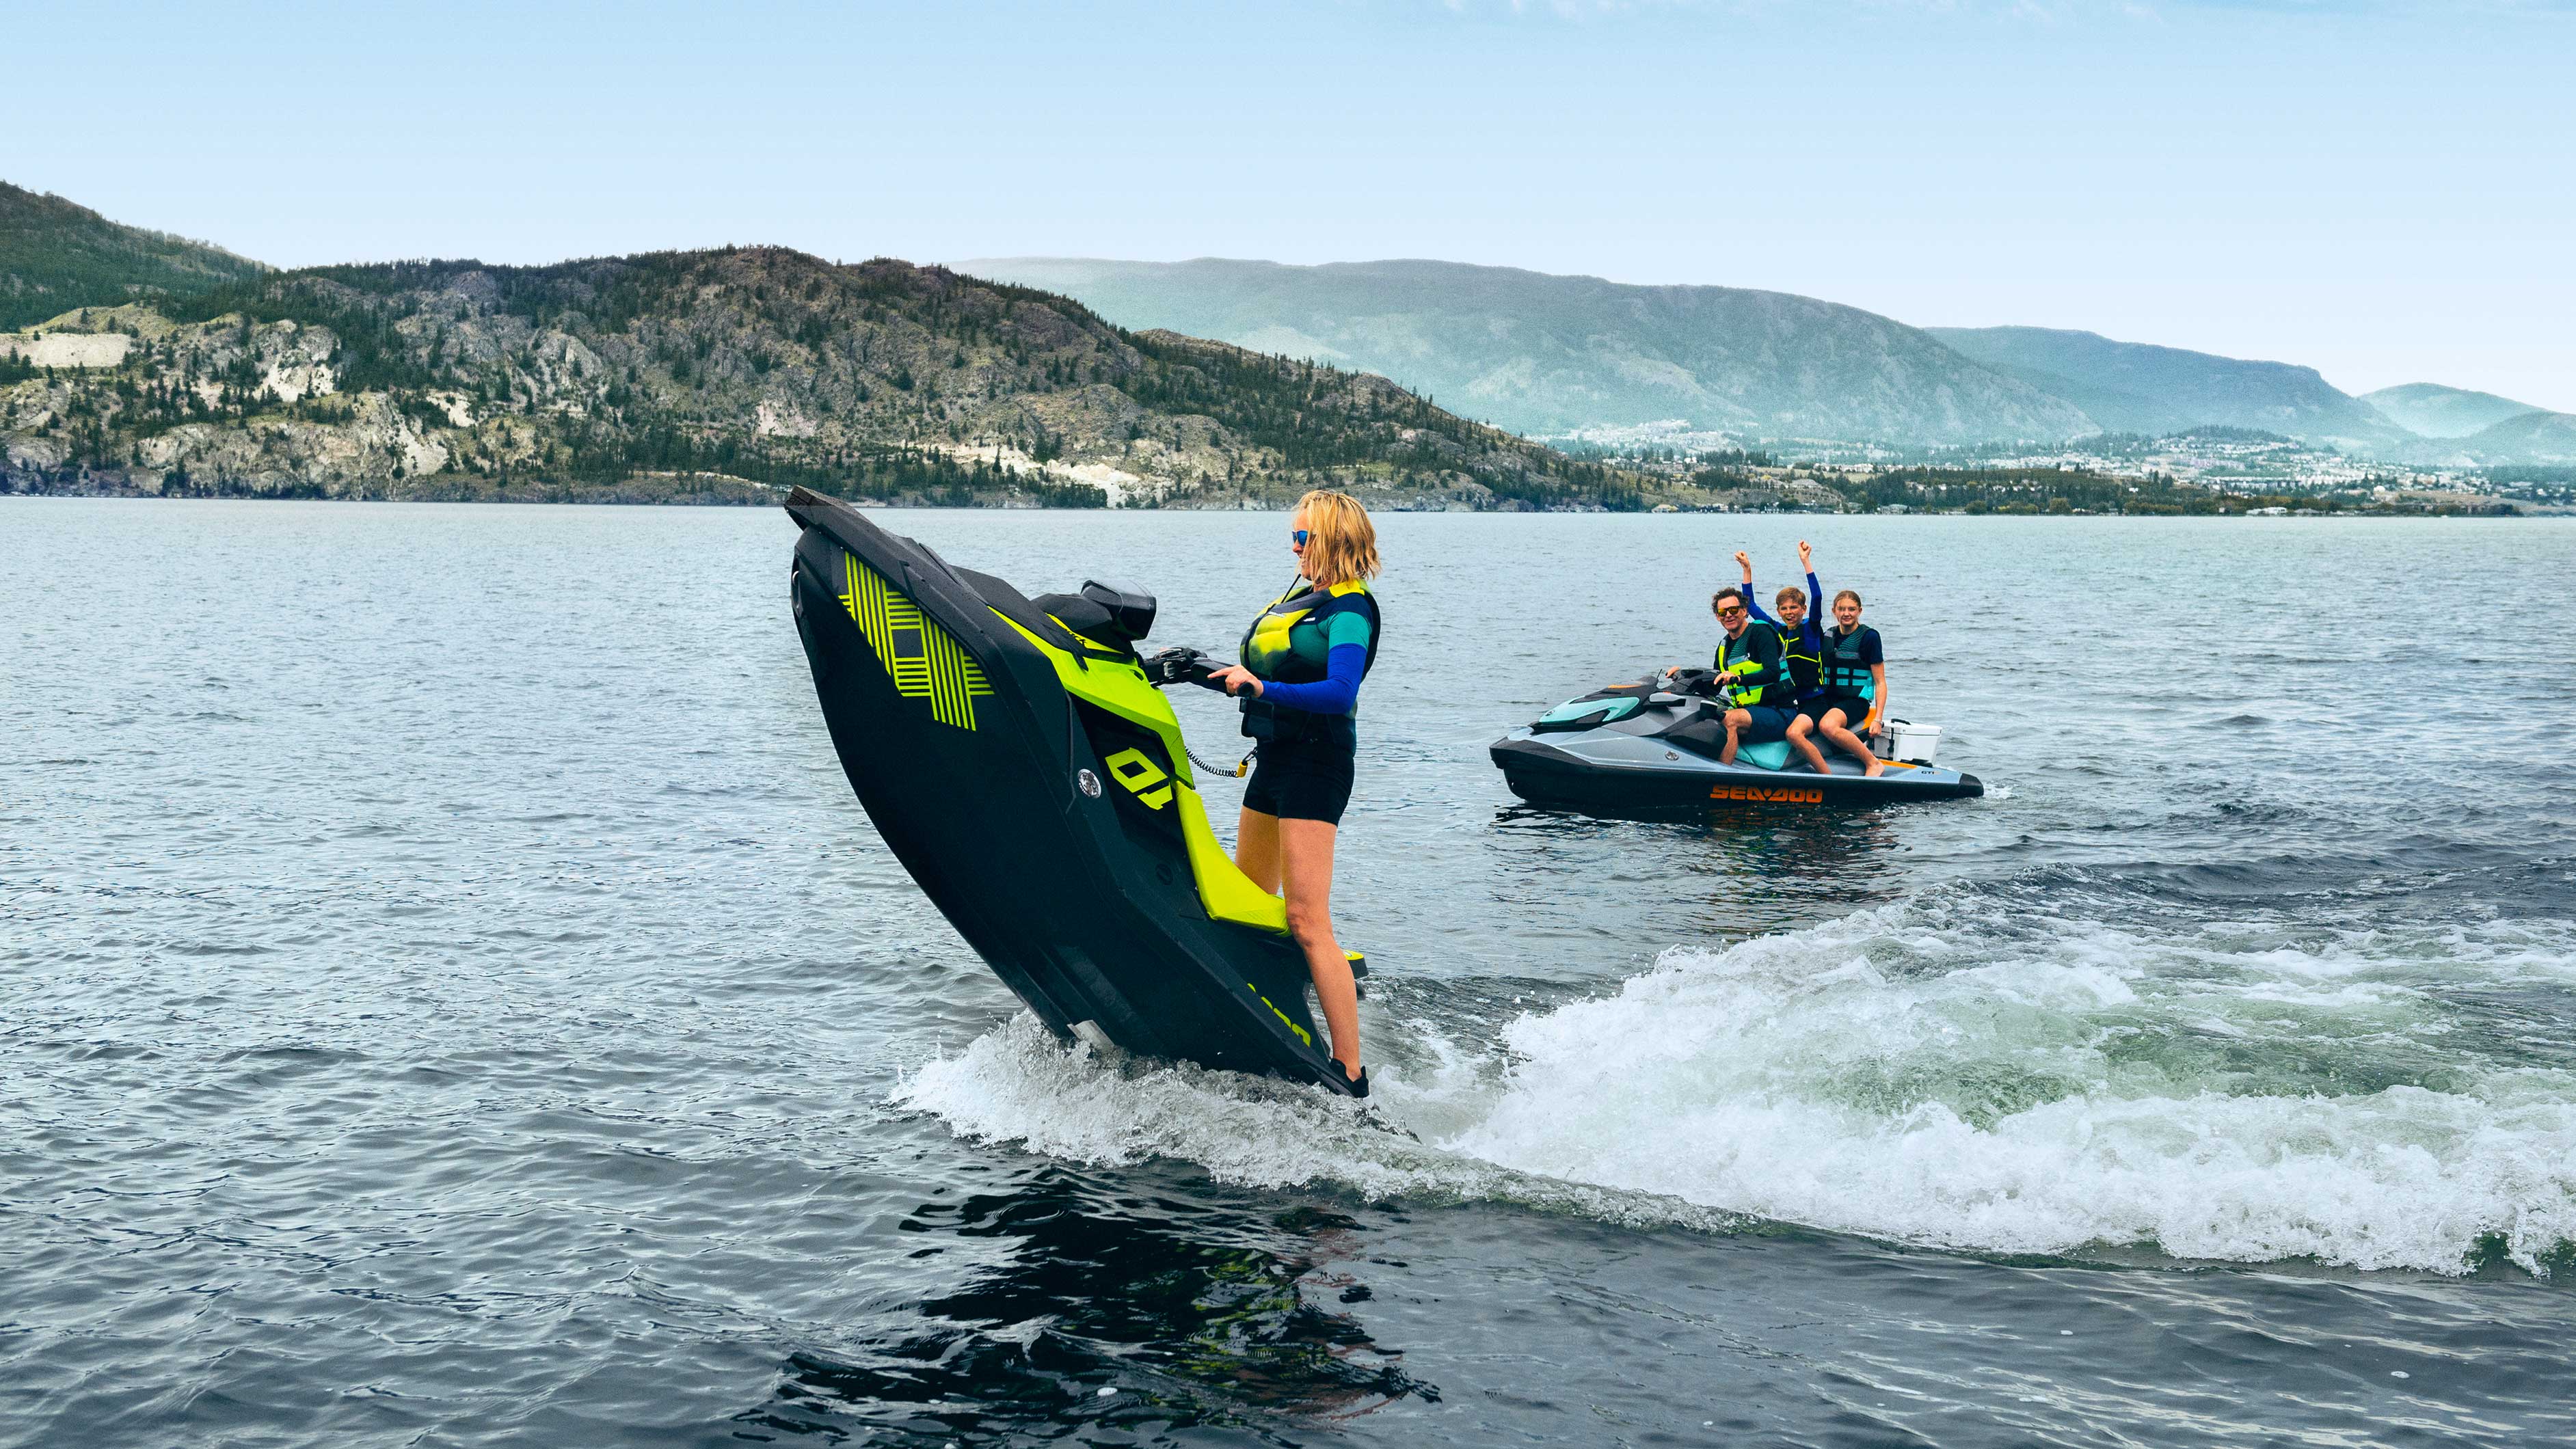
1270,653
1806,668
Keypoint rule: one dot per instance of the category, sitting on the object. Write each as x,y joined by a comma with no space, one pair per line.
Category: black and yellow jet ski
1652,747
1020,759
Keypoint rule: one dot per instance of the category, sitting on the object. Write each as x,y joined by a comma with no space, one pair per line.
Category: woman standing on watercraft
1299,683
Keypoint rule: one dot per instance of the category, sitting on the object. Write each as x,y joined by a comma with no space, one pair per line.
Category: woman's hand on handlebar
1234,675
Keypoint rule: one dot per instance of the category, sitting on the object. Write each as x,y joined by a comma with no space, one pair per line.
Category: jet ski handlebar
1184,666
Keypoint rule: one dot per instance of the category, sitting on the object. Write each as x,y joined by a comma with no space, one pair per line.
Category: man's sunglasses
1730,612
1297,536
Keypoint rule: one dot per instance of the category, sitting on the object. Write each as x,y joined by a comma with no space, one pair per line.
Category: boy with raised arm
1804,645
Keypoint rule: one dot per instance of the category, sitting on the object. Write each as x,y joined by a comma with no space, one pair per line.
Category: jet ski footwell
1033,781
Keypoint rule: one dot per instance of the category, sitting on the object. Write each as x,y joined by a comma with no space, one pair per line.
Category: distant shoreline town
2207,471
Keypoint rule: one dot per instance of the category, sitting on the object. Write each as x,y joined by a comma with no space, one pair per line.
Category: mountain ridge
2434,410
1546,354
58,256
2538,436
1554,355
1539,353
2143,387
725,369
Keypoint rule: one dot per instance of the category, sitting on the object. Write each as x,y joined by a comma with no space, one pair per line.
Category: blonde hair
1341,543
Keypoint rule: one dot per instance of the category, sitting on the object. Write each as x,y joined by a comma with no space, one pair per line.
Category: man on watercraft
1752,676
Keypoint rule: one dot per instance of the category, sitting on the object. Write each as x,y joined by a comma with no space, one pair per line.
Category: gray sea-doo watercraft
1651,748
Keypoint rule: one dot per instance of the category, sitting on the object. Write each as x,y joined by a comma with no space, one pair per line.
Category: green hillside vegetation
1544,354
725,375
56,256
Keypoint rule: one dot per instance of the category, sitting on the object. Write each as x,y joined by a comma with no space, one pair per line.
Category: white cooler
1916,744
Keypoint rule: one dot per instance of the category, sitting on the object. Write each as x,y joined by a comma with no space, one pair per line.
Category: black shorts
1297,783
1855,711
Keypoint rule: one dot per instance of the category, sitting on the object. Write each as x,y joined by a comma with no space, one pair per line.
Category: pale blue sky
2385,191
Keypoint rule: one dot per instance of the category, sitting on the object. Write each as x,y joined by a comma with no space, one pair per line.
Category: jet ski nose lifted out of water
1652,748
1022,763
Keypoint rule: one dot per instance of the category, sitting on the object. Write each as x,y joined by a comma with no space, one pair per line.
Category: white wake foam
1914,1072
1017,1085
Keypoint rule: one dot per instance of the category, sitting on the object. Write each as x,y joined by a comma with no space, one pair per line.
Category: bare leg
1256,848
1798,737
1840,733
1306,856
1736,719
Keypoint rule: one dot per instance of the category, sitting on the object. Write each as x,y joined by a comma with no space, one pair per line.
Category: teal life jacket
1288,642
1846,676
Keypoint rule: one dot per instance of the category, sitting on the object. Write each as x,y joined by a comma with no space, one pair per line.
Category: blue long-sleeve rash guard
1809,630
1338,692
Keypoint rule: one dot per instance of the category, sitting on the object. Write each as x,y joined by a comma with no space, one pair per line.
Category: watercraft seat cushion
1770,755
1087,617
1017,607
1131,610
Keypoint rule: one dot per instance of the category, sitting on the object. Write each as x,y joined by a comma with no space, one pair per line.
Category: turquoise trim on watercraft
1608,710
1770,754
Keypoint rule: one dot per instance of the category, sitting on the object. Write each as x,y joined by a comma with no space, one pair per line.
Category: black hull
1086,902
1547,777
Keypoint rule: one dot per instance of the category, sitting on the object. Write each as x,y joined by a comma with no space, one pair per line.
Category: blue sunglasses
1297,536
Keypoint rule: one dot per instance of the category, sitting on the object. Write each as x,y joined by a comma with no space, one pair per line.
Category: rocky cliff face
721,374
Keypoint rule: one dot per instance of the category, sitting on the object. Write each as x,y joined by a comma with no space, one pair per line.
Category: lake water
449,996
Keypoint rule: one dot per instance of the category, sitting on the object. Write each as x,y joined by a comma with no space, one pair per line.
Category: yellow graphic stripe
1141,775
1303,1035
918,655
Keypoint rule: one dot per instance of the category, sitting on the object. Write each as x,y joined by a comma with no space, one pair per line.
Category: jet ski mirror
1131,611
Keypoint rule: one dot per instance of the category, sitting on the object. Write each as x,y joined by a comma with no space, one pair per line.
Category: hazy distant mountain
2444,412
2538,436
55,256
2132,387
1544,354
